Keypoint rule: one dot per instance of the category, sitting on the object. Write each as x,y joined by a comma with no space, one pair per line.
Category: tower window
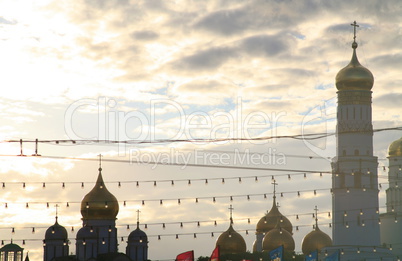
356,152
344,153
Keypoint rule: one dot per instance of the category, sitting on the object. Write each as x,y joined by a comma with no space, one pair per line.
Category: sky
153,71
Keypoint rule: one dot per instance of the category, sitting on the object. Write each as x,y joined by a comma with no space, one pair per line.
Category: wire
308,136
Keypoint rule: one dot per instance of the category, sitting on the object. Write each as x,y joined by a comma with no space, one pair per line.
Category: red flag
215,254
186,256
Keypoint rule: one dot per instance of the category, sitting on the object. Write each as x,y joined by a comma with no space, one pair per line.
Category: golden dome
231,242
354,76
269,221
315,240
99,203
278,237
395,149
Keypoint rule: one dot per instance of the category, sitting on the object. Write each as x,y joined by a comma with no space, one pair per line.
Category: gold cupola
99,203
395,149
278,237
316,239
231,242
269,221
354,76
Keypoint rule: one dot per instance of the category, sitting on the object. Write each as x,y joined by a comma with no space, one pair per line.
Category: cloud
265,45
224,22
390,101
5,21
145,35
205,60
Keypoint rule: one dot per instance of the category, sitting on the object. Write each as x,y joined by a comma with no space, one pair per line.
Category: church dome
269,221
137,236
354,76
278,237
395,149
86,233
99,203
231,242
315,240
56,232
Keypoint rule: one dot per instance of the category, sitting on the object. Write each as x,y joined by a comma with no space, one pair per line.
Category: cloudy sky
155,70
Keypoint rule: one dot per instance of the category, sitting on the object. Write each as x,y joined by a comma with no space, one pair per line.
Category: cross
100,161
316,217
231,212
275,184
354,30
138,215
56,206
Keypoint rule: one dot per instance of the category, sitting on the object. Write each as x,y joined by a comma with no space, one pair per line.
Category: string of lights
206,181
328,214
194,234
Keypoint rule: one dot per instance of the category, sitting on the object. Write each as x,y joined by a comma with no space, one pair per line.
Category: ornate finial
100,162
138,217
231,214
354,44
316,217
275,184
